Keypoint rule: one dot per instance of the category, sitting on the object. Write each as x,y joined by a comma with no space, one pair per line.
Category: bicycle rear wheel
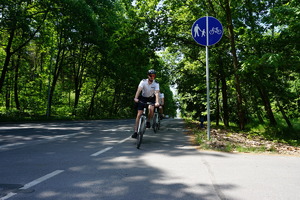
141,130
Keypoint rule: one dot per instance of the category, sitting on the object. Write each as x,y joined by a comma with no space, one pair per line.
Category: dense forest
79,58
85,58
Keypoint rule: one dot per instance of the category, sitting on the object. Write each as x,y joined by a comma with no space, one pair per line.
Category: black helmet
151,71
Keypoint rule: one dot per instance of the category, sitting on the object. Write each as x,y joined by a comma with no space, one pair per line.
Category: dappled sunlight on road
161,169
101,161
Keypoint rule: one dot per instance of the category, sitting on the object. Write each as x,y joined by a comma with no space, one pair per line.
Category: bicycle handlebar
147,103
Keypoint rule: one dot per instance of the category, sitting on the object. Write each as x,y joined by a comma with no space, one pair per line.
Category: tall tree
21,21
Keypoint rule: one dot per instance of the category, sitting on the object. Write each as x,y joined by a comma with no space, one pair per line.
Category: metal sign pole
202,35
207,82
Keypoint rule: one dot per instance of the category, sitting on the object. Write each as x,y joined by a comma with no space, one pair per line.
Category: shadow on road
164,168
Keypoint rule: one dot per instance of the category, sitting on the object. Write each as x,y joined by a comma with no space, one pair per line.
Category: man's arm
137,94
157,97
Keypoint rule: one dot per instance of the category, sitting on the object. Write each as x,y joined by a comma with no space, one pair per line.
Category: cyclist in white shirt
150,93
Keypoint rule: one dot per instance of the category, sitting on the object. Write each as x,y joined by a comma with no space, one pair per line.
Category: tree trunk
7,58
217,101
284,115
79,68
95,90
257,110
7,98
56,72
225,101
17,102
240,109
260,119
78,73
113,104
76,101
267,105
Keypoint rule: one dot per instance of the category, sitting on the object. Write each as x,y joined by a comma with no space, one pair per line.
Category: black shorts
145,100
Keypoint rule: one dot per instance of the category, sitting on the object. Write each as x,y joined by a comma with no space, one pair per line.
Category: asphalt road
97,160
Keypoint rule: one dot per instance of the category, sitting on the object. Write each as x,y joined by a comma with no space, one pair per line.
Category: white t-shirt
161,96
148,89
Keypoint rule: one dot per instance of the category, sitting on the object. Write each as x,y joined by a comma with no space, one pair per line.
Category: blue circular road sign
204,36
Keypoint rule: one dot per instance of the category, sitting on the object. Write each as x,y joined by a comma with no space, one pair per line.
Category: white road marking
102,151
37,141
124,140
33,183
11,145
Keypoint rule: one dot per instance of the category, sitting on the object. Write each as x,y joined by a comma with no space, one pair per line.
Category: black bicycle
142,124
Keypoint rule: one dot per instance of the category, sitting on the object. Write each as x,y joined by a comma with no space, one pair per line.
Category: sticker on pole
207,34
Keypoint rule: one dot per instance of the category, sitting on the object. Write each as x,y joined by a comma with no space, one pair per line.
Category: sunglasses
152,75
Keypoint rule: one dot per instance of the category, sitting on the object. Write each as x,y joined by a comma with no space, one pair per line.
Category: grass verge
233,140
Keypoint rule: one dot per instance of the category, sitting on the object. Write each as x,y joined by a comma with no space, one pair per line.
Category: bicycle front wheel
141,130
139,140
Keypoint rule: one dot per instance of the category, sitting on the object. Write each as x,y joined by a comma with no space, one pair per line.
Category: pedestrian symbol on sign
196,31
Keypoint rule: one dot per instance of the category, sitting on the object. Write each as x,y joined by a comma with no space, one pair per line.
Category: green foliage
74,59
266,35
85,58
12,114
280,132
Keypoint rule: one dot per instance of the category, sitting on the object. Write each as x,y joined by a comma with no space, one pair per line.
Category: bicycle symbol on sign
215,30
